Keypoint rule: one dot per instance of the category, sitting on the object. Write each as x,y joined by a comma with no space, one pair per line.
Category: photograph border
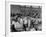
10,2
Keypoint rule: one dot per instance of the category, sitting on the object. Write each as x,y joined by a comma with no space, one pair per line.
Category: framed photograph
23,18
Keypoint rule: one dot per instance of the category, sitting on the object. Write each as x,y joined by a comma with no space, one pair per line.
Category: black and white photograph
25,18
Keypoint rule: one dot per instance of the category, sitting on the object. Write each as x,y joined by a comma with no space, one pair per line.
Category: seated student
17,25
25,24
28,27
12,26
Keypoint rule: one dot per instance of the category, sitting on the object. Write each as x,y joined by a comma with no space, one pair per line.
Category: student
25,24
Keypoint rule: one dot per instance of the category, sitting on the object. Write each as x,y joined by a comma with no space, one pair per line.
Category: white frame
8,33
